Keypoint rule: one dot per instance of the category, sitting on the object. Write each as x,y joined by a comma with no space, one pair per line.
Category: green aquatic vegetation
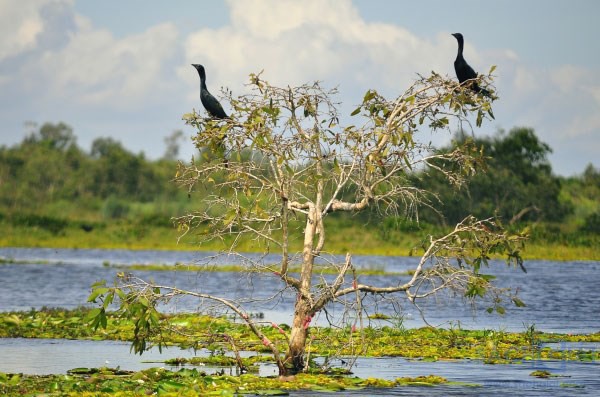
429,380
543,374
429,344
184,382
46,323
201,331
12,261
221,360
365,271
571,385
380,316
436,344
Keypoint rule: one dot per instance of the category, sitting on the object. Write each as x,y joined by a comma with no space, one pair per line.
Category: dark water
560,297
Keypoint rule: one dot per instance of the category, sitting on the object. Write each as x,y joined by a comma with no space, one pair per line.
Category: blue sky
122,68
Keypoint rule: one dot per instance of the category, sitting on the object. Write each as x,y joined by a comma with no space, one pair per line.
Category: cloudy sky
121,68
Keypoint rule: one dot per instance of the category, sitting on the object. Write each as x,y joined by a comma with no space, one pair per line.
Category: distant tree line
48,165
518,185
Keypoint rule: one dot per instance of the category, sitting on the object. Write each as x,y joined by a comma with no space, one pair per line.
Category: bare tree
289,159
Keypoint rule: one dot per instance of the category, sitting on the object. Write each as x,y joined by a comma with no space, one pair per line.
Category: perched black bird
210,103
465,72
213,107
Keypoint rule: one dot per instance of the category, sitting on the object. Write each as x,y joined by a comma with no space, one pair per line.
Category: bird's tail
485,92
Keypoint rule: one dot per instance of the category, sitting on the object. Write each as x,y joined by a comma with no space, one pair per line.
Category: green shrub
156,220
592,223
114,208
50,223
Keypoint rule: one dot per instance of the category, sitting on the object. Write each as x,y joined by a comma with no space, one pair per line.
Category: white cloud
75,72
564,100
55,63
579,96
298,42
560,103
20,24
567,78
97,69
58,55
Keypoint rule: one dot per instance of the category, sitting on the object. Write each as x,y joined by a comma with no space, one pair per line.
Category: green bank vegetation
55,194
370,270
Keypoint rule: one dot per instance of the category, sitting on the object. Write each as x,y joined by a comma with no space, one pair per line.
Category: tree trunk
303,309
296,350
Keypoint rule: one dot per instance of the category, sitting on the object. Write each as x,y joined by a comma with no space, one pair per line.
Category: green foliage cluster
48,183
517,185
48,171
585,194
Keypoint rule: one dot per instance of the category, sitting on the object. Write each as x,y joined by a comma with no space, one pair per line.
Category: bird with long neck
212,106
210,103
464,72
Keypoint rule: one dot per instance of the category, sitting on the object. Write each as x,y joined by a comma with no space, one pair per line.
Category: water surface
51,356
560,296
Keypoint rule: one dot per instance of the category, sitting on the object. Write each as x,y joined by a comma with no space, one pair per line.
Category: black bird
213,107
210,103
463,71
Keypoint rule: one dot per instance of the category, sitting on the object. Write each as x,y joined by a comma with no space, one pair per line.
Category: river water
560,296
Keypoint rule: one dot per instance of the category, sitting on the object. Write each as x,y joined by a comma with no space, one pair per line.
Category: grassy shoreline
357,241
